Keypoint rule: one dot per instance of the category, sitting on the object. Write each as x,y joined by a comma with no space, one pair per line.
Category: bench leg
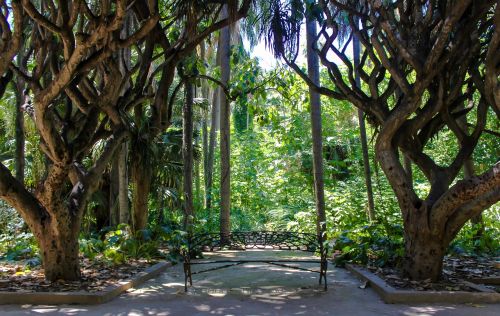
187,275
190,277
322,274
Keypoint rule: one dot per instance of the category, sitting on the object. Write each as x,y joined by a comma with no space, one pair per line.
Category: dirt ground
252,289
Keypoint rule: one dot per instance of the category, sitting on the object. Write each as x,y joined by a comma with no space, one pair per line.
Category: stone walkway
252,289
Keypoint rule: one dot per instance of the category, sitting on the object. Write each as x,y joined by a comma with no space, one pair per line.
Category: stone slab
394,296
81,297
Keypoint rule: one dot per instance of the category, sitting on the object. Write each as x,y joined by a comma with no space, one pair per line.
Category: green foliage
119,243
476,240
18,247
15,243
116,245
376,245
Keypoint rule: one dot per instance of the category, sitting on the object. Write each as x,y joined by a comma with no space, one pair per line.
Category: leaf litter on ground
97,275
456,272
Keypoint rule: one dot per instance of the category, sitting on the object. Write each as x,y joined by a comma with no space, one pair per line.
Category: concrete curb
81,297
392,296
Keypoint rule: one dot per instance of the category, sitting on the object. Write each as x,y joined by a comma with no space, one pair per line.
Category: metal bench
211,242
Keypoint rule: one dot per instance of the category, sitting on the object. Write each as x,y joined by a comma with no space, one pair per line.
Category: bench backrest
256,240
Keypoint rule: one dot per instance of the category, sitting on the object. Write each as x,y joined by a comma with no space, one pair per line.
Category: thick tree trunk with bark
141,182
424,254
58,243
225,116
54,213
430,225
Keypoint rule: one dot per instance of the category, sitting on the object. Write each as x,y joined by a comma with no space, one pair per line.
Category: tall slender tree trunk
212,143
214,126
362,135
315,102
225,116
20,135
204,131
204,128
187,155
123,170
21,99
114,191
123,184
196,140
197,177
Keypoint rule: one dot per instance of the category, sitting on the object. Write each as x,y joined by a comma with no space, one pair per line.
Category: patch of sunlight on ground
426,311
44,310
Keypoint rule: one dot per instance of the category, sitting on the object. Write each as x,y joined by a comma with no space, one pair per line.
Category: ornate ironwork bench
254,240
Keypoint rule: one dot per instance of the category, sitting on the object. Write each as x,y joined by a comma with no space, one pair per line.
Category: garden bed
465,280
96,276
459,274
100,282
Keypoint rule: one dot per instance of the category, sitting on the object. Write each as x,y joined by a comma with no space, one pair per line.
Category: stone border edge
83,298
393,296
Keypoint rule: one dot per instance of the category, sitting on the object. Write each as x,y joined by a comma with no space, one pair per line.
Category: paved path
252,289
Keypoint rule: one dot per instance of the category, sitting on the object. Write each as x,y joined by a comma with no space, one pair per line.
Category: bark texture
123,202
212,144
316,129
141,183
362,133
187,155
225,132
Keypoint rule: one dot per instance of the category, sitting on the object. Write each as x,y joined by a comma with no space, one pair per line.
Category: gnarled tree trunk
54,212
424,249
58,242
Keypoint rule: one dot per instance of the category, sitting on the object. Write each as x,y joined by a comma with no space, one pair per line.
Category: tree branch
16,195
463,192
